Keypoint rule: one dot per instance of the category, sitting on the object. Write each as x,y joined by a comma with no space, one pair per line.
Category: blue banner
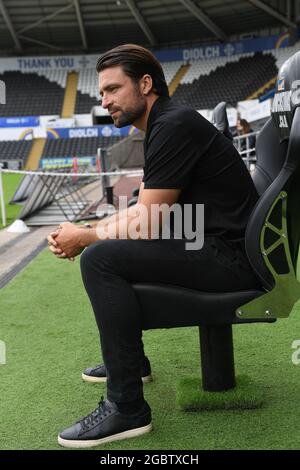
20,121
65,162
211,51
83,132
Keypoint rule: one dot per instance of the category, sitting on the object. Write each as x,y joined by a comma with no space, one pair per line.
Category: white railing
245,144
70,175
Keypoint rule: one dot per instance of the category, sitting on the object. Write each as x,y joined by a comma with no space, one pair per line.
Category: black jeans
108,269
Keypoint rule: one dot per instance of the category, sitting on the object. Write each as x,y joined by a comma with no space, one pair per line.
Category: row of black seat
15,150
77,147
31,95
234,82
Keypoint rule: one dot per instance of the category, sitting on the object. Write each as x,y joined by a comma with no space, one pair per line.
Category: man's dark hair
136,61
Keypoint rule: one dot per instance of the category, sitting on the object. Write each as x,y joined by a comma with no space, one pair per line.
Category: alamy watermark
2,92
296,353
160,221
2,353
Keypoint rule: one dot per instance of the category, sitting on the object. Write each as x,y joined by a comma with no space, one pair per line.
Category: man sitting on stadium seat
188,162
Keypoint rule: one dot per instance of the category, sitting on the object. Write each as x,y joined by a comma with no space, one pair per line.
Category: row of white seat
87,82
58,76
282,54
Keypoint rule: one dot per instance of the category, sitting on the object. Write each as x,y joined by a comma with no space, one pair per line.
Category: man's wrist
87,236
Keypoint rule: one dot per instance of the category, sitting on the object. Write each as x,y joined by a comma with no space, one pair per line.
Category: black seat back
270,156
273,231
220,119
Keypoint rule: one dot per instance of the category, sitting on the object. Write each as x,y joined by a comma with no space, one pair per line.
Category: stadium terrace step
16,250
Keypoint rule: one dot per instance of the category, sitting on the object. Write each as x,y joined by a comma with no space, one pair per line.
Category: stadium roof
74,26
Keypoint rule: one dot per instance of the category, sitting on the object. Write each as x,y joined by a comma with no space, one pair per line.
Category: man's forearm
108,220
127,224
104,227
116,229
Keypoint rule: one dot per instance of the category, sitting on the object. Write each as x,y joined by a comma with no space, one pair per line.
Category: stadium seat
272,242
220,119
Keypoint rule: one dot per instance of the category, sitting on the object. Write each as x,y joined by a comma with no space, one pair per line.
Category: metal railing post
2,198
106,187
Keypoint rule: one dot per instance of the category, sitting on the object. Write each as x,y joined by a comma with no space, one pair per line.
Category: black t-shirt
185,151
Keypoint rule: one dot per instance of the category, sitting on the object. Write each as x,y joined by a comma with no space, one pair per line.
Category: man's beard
128,117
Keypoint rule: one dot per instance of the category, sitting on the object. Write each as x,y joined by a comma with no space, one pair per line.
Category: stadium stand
88,83
77,147
87,91
282,54
219,85
84,102
43,92
58,76
31,95
205,67
15,150
170,69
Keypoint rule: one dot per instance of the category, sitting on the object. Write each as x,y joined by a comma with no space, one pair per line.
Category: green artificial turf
10,184
191,396
50,334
